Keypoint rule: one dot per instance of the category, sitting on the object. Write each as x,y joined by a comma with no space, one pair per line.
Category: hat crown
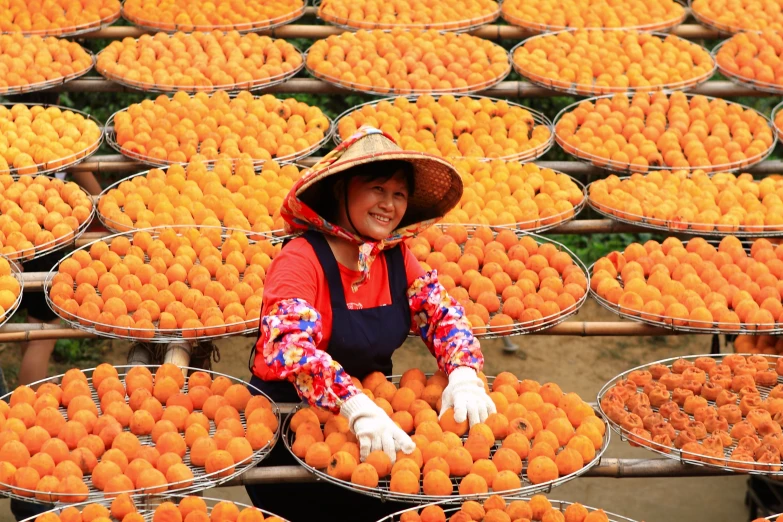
367,146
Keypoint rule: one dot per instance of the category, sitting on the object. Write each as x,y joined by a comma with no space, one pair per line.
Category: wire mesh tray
371,89
723,29
488,331
662,25
451,507
201,480
384,493
523,156
114,226
629,168
460,26
145,505
578,89
751,83
28,254
252,86
672,323
536,226
75,29
682,227
66,162
48,84
241,27
156,335
724,461
111,139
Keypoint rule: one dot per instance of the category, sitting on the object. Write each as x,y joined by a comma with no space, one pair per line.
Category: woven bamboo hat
437,184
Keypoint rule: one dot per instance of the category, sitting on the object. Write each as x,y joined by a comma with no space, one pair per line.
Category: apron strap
329,264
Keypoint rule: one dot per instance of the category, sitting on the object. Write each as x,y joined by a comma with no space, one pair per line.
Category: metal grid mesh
158,335
726,463
201,479
526,155
383,492
628,168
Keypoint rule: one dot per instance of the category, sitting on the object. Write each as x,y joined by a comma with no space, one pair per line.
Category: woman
342,297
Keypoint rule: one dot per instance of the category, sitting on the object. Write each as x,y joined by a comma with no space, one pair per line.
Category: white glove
465,393
374,429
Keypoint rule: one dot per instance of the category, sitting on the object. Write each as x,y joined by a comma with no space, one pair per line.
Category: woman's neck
345,252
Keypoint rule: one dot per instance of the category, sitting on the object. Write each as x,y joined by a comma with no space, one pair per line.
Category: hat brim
437,184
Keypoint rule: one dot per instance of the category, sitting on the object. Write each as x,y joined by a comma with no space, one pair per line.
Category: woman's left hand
465,393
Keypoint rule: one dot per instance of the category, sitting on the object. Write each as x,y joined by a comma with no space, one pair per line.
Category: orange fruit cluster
454,126
193,284
53,17
39,212
35,60
497,508
709,409
578,14
537,427
230,194
10,288
664,130
35,137
123,507
199,61
759,344
204,15
422,14
736,16
681,201
696,285
405,61
53,454
499,278
510,193
594,61
176,129
753,57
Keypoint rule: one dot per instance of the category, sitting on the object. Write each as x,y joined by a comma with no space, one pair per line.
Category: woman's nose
387,202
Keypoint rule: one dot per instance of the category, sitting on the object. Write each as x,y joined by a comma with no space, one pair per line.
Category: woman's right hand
374,429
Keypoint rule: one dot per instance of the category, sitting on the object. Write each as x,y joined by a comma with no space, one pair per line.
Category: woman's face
376,207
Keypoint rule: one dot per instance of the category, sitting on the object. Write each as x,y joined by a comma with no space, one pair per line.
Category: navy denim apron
363,342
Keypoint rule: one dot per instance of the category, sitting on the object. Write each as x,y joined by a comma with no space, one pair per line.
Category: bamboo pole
118,164
22,332
719,88
607,468
489,32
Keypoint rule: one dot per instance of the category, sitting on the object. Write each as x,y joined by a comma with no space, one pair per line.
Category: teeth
381,218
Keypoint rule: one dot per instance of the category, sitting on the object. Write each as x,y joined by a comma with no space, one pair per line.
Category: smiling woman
343,296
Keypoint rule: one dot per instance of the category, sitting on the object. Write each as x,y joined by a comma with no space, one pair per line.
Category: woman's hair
381,171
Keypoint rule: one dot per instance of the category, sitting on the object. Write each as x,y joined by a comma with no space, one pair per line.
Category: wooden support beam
117,164
719,88
21,332
490,32
607,468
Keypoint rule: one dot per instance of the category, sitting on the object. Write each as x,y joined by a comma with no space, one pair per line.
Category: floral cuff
441,322
292,331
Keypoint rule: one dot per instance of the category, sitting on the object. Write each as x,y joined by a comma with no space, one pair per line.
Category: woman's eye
401,195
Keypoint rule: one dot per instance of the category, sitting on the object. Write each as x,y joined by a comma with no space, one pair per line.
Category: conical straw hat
437,184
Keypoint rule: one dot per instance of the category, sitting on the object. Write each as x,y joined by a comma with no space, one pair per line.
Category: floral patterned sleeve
441,322
291,331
